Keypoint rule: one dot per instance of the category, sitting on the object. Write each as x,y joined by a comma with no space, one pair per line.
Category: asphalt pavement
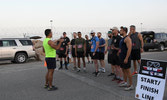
26,81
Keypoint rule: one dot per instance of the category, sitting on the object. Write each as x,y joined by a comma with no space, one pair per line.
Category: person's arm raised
52,44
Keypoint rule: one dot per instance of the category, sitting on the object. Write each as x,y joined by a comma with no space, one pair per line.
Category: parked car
16,49
154,40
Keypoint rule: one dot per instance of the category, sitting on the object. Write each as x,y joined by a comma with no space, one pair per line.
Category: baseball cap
114,28
109,32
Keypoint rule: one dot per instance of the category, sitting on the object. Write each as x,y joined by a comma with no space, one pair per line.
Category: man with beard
102,44
95,52
109,50
125,59
137,47
115,55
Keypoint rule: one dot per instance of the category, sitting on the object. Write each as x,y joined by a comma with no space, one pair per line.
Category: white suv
16,49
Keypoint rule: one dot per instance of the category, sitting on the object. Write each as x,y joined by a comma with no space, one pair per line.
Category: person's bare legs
74,61
112,69
83,60
128,72
79,66
96,65
46,78
124,75
88,59
135,65
50,77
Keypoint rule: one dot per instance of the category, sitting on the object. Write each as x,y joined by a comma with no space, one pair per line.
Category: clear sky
83,13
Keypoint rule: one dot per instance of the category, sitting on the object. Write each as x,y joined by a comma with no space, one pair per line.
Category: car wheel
20,58
161,47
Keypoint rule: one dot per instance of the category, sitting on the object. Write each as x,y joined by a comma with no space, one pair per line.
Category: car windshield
157,36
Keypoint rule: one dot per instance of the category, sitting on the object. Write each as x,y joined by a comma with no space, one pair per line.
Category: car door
8,49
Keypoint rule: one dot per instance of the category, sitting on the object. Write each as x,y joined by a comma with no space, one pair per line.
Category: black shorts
96,56
73,54
101,56
88,53
125,66
62,55
80,54
51,63
109,58
136,54
115,60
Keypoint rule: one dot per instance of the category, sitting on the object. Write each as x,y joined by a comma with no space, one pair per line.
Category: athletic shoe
123,84
78,70
103,70
129,88
88,62
66,68
94,72
53,88
46,86
97,74
134,73
115,79
74,68
84,69
119,81
60,68
91,62
111,74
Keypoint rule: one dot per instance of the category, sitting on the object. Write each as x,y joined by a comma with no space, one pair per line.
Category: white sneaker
123,84
78,70
84,69
129,88
104,70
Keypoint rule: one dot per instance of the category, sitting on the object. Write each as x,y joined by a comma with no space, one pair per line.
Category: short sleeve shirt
79,42
73,45
101,42
115,41
93,45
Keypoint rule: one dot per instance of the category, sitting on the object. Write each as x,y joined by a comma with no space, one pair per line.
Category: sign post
151,80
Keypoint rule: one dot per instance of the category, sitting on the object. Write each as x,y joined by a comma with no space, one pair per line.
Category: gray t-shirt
109,46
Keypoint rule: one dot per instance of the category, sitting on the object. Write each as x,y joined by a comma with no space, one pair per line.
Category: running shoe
119,81
115,79
78,70
123,84
111,74
97,74
46,86
129,88
84,69
74,68
60,68
134,73
53,88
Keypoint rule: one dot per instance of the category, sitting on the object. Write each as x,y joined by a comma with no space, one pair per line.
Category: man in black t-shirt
88,48
63,51
115,61
73,50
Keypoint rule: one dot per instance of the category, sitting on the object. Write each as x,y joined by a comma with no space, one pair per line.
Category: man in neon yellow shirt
50,48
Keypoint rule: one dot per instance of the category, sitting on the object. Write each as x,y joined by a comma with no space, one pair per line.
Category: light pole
141,27
51,21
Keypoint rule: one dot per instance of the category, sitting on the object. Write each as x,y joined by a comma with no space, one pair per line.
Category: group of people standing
121,49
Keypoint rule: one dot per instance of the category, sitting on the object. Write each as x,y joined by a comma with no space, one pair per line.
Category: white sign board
151,80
